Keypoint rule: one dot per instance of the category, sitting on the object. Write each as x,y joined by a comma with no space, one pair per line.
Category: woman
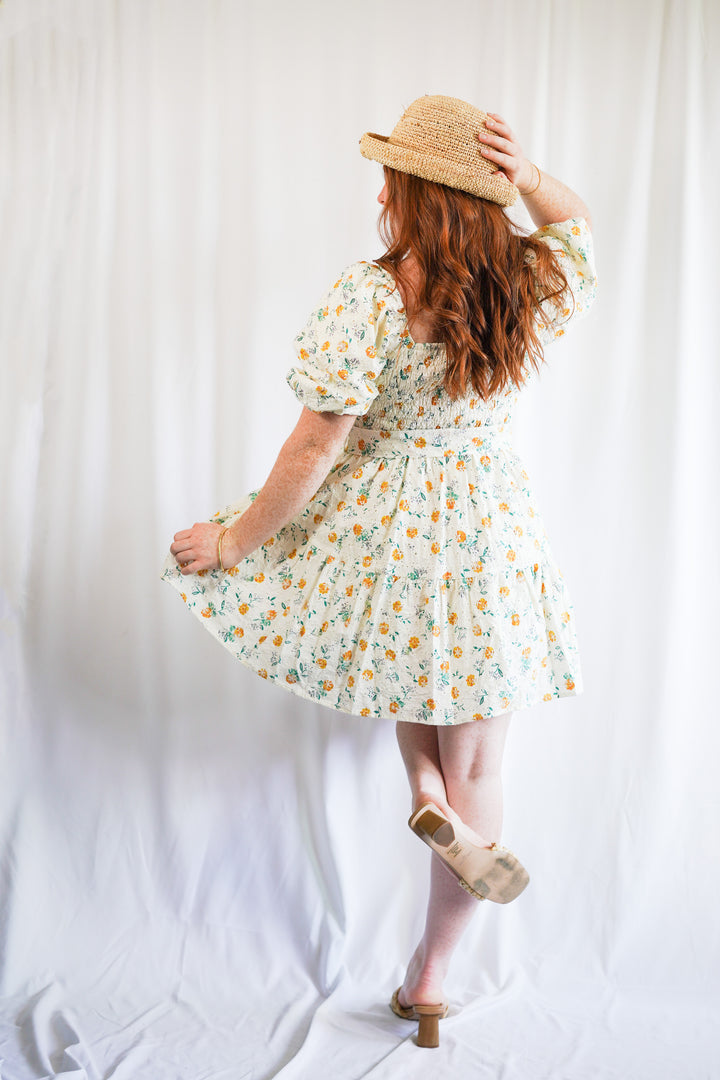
394,564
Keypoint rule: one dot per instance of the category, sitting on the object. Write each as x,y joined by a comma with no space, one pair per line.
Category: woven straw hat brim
486,184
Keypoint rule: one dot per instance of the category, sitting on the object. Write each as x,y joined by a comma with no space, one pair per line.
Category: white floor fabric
203,877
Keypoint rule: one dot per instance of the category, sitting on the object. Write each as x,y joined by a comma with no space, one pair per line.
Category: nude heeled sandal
428,1016
487,873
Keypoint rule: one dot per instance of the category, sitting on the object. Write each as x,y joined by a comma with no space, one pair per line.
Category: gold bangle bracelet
221,537
539,180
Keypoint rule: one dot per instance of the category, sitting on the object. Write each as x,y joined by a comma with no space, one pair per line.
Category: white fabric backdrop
204,876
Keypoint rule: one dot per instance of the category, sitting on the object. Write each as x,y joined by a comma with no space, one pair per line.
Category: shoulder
364,278
570,238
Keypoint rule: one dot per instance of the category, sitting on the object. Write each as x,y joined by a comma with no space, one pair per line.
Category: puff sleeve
571,241
345,344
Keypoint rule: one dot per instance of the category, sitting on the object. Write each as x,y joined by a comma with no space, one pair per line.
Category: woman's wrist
529,181
230,548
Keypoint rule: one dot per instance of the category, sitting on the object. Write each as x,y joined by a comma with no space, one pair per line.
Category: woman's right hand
502,148
548,200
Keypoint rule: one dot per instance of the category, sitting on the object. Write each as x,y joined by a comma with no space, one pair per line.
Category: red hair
481,282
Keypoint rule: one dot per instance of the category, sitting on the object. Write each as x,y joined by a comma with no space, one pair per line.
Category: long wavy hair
477,287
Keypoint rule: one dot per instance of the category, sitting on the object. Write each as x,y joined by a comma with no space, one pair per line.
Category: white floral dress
418,583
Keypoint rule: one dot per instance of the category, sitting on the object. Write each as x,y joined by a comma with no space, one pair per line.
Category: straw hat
435,139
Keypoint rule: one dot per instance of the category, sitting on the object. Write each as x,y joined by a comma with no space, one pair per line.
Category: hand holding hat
436,138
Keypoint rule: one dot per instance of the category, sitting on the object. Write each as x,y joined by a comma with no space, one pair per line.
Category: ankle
423,796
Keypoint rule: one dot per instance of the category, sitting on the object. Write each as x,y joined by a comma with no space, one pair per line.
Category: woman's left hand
502,148
197,548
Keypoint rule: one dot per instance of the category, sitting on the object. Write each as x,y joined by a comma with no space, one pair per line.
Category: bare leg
458,768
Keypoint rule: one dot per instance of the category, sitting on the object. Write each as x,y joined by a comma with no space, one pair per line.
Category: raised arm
548,201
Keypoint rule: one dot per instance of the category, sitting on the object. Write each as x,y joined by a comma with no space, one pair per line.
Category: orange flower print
412,533
371,352
361,500
262,673
547,697
323,588
259,577
290,678
470,680
343,346
457,652
435,548
504,591
206,612
343,374
238,631
461,537
365,711
489,652
414,642
390,654
511,555
435,515
367,560
515,620
397,555
350,401
277,640
367,674
422,680
357,528
332,537
397,605
393,706
327,685
321,661
570,685
504,507
430,704
404,504
384,628
455,693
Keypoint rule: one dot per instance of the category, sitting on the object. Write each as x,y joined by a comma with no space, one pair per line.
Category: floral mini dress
418,583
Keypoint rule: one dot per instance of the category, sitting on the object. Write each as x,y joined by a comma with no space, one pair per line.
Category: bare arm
547,203
304,461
